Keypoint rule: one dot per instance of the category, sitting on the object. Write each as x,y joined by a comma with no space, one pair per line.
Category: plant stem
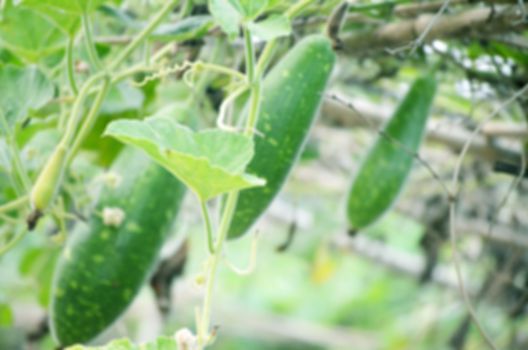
219,69
186,8
143,34
254,80
269,49
208,227
77,107
232,198
15,155
212,265
70,64
297,8
89,42
90,119
13,241
14,204
250,56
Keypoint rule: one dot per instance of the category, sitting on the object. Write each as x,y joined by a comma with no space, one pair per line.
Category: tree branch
469,23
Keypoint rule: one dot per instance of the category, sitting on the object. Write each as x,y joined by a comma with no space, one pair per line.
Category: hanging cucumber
383,172
291,95
106,260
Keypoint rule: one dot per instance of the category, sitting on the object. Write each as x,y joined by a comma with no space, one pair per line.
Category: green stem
14,204
13,242
212,266
186,8
90,119
269,49
250,56
17,164
70,64
254,79
89,42
232,199
208,227
296,9
77,107
143,34
254,109
219,69
7,219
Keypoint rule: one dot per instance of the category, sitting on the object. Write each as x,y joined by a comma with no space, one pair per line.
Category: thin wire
452,216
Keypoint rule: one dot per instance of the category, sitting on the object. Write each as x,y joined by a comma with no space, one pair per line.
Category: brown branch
320,177
415,9
500,233
469,23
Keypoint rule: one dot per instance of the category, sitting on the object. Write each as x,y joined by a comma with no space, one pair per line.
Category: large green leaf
122,98
73,7
65,14
29,34
226,15
162,343
251,8
23,90
229,14
210,162
271,28
6,315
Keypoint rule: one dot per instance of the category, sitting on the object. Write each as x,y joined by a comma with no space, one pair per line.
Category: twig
430,26
452,221
402,146
369,115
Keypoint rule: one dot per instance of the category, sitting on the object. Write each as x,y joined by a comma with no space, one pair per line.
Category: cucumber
103,266
383,173
291,95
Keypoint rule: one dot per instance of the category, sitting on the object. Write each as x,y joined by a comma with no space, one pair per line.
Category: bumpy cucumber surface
103,267
384,171
291,95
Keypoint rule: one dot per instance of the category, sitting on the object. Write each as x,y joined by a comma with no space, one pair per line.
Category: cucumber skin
291,95
102,268
383,173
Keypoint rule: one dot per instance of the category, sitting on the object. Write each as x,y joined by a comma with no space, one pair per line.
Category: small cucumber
386,167
291,95
103,266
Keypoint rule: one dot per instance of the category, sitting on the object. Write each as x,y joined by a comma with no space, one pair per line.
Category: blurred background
314,286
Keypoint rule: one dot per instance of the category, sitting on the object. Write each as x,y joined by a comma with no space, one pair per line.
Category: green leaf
162,343
29,34
271,28
226,15
65,14
251,8
6,315
194,27
122,98
72,7
23,90
210,162
38,264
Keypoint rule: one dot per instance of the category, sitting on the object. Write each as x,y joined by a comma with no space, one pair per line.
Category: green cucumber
384,171
102,267
291,95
